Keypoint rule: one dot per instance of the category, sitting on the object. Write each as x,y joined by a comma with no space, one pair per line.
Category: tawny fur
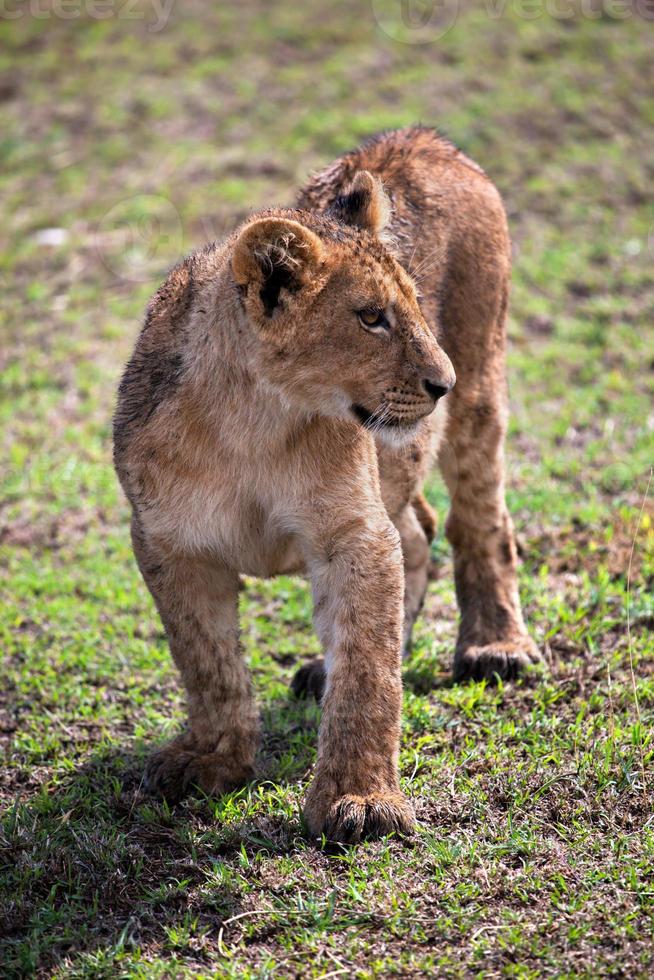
264,427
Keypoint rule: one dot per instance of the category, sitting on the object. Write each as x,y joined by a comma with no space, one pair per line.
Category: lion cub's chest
226,519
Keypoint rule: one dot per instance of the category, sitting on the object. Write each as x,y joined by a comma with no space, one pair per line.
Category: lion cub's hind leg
309,680
427,516
417,526
198,604
493,639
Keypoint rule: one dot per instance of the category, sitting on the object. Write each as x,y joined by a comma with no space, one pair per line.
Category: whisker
374,422
428,263
379,418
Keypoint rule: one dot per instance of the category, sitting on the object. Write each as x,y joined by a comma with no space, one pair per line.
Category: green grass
535,852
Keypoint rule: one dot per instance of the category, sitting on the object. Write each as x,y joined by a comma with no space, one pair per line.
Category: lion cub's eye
373,319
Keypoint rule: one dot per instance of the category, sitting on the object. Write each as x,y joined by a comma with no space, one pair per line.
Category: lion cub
281,408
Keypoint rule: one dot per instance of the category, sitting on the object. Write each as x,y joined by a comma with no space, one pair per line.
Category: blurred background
133,132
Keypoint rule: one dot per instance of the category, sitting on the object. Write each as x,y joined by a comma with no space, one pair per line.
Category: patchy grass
535,854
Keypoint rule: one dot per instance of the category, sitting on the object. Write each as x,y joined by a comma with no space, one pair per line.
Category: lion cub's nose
436,391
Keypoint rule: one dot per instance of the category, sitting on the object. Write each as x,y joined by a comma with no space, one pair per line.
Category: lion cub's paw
352,818
501,659
176,770
309,680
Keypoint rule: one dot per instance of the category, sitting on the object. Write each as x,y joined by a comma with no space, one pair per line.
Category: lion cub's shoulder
156,367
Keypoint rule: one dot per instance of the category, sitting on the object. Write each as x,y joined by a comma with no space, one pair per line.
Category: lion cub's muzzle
401,408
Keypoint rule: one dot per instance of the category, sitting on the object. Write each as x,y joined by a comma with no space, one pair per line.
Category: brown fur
263,427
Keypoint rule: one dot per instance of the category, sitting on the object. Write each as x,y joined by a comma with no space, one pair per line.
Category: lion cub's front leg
198,603
358,589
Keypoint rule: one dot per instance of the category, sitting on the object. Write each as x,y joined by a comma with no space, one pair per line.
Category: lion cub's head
334,318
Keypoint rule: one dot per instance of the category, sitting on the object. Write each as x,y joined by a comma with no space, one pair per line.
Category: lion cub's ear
364,205
272,254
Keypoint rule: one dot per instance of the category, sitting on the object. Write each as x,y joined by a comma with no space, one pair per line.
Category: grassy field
123,146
